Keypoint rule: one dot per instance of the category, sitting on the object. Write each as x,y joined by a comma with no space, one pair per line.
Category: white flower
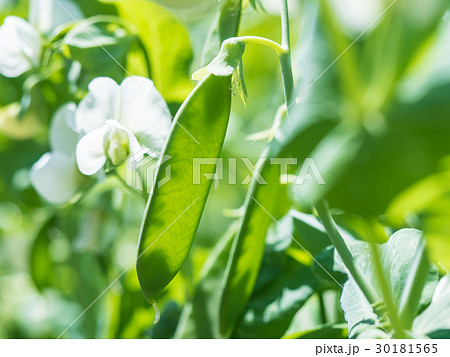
21,42
118,121
20,47
56,176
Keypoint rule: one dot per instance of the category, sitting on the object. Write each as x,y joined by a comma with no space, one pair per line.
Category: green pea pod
174,209
264,203
225,25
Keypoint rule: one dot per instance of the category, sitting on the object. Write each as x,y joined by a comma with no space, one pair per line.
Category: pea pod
263,204
226,25
174,209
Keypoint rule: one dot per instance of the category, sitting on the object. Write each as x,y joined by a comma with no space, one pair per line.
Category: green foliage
397,257
166,43
275,301
94,43
200,318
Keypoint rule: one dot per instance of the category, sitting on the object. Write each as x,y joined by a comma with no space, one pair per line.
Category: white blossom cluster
111,124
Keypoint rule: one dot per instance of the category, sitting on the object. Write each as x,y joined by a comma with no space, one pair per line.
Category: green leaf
167,44
330,271
397,257
310,232
435,320
426,204
174,210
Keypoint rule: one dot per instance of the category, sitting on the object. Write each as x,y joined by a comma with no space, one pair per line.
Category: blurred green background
394,83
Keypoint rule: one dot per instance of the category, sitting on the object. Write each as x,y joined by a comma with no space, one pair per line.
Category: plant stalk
256,40
345,254
285,29
386,291
412,292
285,57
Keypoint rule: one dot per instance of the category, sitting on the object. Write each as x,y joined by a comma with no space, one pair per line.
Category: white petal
45,15
90,152
144,111
136,151
55,177
134,144
62,137
20,47
101,103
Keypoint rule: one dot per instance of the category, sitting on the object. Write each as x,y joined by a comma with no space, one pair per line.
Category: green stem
127,187
386,291
323,310
285,58
288,79
412,292
263,42
285,31
345,254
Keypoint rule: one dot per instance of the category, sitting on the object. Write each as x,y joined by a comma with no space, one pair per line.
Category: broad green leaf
282,287
167,44
174,209
200,317
397,258
434,322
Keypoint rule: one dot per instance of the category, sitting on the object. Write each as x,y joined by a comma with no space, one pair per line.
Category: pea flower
119,121
21,42
20,47
55,175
